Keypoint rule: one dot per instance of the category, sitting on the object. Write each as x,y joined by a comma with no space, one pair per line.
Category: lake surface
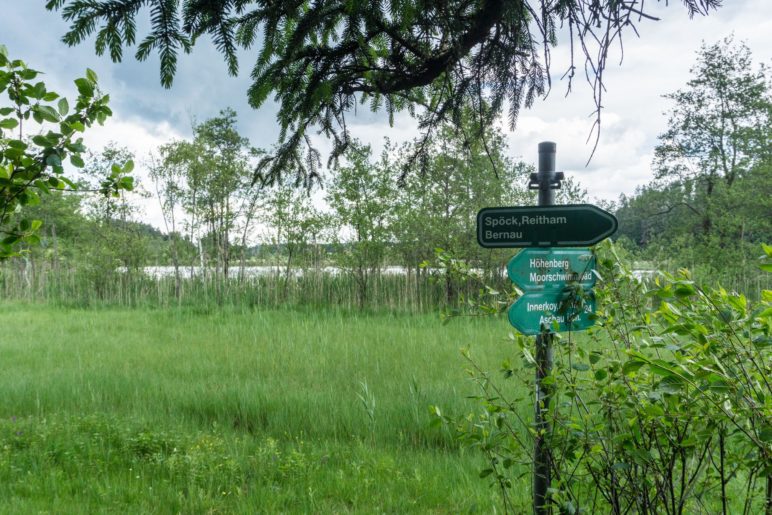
187,272
257,271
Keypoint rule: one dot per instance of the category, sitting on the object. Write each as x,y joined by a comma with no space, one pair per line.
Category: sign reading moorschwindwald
536,269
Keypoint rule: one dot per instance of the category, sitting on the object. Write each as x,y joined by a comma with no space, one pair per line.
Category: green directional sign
537,269
575,225
533,311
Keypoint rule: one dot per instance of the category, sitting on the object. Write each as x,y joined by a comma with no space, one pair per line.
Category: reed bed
82,287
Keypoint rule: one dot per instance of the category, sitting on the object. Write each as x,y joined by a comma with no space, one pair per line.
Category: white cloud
633,106
140,138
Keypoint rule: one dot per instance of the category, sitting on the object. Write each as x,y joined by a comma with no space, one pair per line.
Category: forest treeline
708,208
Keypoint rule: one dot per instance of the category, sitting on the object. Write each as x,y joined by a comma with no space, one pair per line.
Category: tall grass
237,410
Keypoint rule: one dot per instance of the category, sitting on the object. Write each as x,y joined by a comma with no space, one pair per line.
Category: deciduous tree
361,196
719,127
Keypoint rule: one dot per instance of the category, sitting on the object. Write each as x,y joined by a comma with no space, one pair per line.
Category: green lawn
170,411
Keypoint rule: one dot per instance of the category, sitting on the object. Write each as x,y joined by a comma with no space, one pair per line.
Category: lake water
263,271
256,271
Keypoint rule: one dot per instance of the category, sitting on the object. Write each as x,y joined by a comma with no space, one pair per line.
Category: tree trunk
449,291
287,272
176,264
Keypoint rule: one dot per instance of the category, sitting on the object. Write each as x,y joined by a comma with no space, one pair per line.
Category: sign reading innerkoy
552,310
544,226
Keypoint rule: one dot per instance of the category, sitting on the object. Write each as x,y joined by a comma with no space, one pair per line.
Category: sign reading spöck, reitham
544,226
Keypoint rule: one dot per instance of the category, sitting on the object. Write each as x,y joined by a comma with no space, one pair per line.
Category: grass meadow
184,410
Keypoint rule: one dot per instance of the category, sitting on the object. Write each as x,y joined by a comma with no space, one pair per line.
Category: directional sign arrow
575,225
533,311
538,269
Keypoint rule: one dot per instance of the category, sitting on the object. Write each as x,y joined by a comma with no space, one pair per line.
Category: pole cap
548,147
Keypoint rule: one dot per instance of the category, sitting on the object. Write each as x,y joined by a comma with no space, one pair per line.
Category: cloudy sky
658,62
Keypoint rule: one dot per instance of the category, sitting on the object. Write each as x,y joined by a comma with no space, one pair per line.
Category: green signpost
537,269
544,226
557,311
547,275
557,283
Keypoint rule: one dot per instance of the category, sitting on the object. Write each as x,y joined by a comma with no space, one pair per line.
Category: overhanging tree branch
320,60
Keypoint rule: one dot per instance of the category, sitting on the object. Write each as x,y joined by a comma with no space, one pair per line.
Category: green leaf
68,182
77,161
684,290
63,106
258,93
85,87
654,410
42,186
48,113
38,91
9,123
663,368
632,366
672,385
91,75
28,73
128,167
53,160
126,183
42,141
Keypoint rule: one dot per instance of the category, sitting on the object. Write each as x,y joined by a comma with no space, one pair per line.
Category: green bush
669,410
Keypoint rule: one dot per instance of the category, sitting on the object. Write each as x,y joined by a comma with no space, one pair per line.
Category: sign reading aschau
552,310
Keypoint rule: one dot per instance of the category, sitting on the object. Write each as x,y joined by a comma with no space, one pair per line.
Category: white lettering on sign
548,263
544,306
543,220
547,320
513,235
535,277
519,221
552,306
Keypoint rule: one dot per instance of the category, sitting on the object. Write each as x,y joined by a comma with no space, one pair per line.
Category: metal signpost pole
547,180
543,271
